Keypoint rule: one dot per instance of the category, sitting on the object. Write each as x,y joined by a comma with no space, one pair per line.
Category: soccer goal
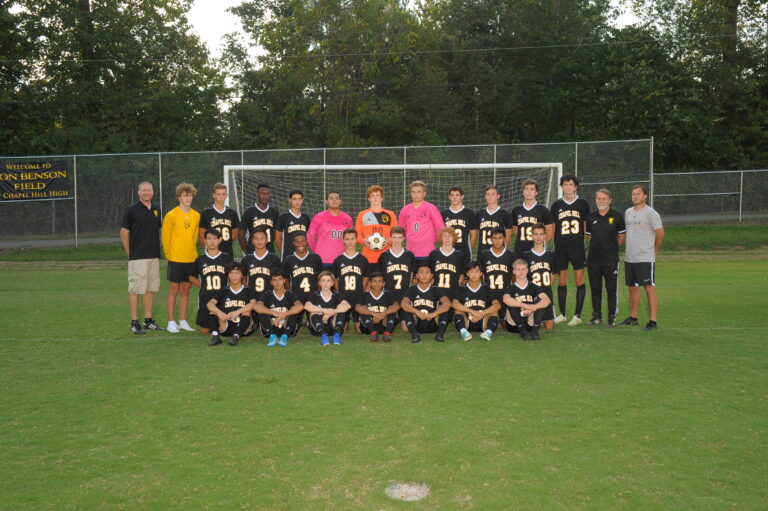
352,181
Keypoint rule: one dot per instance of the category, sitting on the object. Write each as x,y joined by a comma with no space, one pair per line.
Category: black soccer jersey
447,268
397,271
604,233
254,217
376,303
332,302
213,278
463,221
487,222
541,266
528,294
476,299
425,300
303,273
259,270
291,225
223,221
569,222
497,269
229,301
350,271
524,219
278,303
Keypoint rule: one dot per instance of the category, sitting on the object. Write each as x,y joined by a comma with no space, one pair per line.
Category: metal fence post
405,175
160,178
494,162
576,159
650,176
324,173
741,192
74,169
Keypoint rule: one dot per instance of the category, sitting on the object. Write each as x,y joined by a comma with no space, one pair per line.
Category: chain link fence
103,185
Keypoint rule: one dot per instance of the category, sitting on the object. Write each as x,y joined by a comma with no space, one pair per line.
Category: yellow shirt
180,235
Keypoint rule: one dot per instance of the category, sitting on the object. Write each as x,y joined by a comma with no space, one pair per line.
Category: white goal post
352,181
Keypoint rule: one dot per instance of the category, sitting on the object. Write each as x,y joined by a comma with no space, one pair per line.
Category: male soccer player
261,214
476,308
211,276
231,308
425,307
447,263
497,263
327,311
421,221
371,220
570,214
398,265
528,214
259,263
326,230
605,230
351,269
525,303
140,236
291,223
302,268
541,270
222,218
377,310
492,217
645,235
180,234
278,311
463,220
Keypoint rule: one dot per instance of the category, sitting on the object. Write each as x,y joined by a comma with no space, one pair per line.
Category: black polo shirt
604,231
144,225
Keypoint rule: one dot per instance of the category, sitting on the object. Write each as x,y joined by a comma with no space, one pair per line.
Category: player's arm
493,309
445,306
407,306
362,309
241,240
543,302
213,309
473,233
201,235
511,302
549,231
312,308
460,307
195,281
312,234
168,223
342,307
125,236
279,240
508,233
261,309
296,309
659,239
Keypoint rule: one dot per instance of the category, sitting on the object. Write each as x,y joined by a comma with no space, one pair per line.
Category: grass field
589,418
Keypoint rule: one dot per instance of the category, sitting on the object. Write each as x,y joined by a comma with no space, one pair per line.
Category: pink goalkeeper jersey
421,226
325,234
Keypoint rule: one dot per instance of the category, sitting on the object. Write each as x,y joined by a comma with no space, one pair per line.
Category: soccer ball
376,241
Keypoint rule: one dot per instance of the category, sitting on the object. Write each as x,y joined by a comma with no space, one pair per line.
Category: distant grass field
588,418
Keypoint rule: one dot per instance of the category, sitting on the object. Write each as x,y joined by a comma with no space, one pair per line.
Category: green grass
589,418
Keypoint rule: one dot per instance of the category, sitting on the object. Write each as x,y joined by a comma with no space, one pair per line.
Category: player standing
541,270
398,265
231,308
327,311
371,220
525,303
262,214
325,235
278,311
377,310
211,276
447,263
259,263
425,307
476,307
492,217
570,214
528,214
421,221
291,223
221,217
351,270
463,220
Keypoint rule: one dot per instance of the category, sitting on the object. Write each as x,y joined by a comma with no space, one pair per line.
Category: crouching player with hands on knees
526,303
278,311
231,308
377,309
476,307
425,307
327,311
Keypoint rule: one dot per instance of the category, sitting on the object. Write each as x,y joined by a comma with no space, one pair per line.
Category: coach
644,237
605,230
140,235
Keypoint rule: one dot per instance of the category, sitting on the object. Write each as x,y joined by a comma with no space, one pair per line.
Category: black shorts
640,274
574,254
203,318
180,272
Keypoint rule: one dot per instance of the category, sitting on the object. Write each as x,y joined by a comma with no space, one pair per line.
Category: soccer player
371,220
211,270
476,308
525,303
492,217
262,214
278,311
463,220
541,270
302,268
421,221
140,236
327,311
645,235
259,263
497,263
377,310
398,265
570,214
351,269
291,223
528,214
447,263
425,307
326,230
180,234
231,308
605,230
222,218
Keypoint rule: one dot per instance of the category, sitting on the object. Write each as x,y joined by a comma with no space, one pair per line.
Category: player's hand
478,315
232,315
279,314
222,316
431,316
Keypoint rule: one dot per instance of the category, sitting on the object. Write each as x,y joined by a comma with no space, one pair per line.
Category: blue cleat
337,339
272,341
324,340
283,341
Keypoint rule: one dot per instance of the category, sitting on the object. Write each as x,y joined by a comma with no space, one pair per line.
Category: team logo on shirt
156,213
610,220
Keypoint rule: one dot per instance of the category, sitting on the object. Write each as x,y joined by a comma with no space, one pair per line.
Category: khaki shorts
143,276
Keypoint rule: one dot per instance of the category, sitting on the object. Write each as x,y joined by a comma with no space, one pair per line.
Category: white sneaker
172,327
466,335
183,325
486,336
575,321
560,319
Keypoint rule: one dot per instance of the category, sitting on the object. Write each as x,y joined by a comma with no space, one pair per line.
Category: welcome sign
34,181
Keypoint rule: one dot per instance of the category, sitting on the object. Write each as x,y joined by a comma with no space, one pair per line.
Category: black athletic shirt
487,222
398,271
376,303
213,278
497,269
569,222
528,294
540,268
281,304
303,273
447,268
350,271
259,270
317,299
476,299
291,225
604,233
229,301
254,217
223,221
524,219
428,300
144,225
463,221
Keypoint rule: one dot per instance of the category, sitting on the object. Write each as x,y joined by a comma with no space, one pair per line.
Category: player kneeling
327,311
278,311
426,309
231,308
477,310
377,310
526,303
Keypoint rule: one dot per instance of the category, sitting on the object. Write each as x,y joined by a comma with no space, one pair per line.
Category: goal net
352,181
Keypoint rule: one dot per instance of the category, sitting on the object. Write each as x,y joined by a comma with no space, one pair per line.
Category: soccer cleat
560,319
487,335
337,339
136,328
272,341
575,321
183,325
466,335
595,321
172,327
324,341
387,337
283,341
611,322
215,340
440,337
630,321
535,334
415,337
525,334
651,325
149,324
234,340
374,337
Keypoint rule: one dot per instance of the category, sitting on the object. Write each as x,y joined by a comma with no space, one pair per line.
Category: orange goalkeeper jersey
368,223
